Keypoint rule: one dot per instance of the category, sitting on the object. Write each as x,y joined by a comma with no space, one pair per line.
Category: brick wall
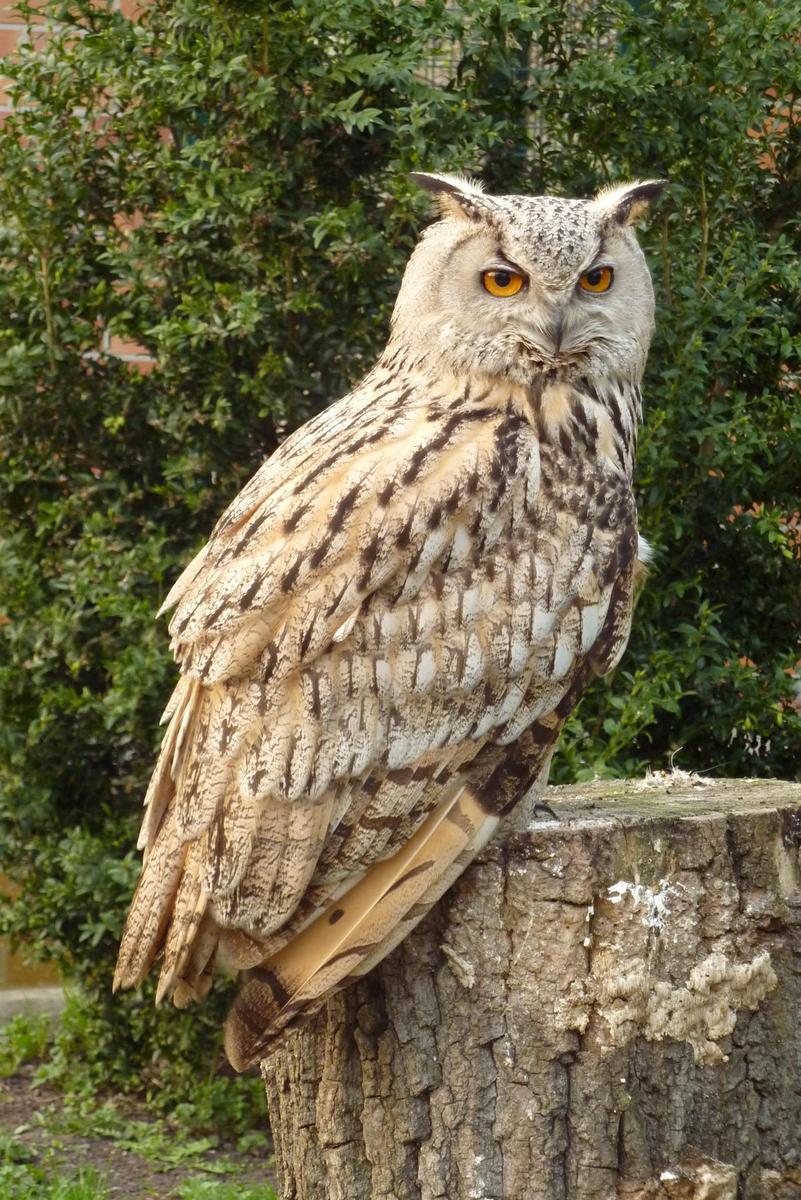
13,31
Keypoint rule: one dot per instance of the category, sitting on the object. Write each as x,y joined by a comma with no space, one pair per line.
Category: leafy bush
226,183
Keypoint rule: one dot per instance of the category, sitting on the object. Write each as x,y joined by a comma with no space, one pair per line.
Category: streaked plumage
382,638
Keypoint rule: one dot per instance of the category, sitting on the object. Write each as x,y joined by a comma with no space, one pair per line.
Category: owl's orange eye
502,282
599,279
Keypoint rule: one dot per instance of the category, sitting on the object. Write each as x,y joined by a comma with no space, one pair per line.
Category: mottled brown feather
462,622
378,647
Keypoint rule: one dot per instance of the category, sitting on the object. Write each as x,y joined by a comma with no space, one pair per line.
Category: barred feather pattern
363,624
378,647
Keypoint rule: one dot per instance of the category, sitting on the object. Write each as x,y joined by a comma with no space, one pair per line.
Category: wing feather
356,927
386,602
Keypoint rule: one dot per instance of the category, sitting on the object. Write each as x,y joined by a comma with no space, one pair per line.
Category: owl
389,625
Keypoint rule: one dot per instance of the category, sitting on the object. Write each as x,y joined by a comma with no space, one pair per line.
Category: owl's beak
549,334
556,331
546,337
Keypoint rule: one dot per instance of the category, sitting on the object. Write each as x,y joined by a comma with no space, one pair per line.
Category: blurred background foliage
226,185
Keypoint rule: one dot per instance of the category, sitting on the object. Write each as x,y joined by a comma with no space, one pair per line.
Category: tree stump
608,1005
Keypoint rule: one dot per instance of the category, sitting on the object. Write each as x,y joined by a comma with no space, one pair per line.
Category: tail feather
427,901
359,928
151,908
189,907
197,969
162,784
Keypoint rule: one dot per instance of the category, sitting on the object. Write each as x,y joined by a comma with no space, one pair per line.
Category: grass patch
36,1183
168,1145
199,1096
27,1182
24,1038
205,1189
206,1105
82,1143
22,1178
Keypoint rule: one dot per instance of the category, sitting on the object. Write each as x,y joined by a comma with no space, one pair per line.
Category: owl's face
518,286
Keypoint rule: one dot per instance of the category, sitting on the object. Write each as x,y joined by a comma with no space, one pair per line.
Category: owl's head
516,286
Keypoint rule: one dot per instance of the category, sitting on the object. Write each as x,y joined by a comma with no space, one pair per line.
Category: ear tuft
455,195
627,202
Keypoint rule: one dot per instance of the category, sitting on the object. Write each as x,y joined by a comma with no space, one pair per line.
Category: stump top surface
664,796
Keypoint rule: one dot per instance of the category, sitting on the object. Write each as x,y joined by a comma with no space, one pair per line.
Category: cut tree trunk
608,1005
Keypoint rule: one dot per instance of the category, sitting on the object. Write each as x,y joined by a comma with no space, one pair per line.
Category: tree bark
608,1005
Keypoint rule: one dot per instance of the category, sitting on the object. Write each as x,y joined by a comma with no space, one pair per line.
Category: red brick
131,8
132,353
8,14
143,365
121,347
126,222
9,39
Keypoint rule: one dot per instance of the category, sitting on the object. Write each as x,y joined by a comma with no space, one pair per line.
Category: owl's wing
367,617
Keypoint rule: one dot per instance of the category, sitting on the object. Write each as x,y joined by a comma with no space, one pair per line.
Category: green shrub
226,183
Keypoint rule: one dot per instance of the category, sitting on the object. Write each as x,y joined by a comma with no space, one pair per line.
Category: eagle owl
381,640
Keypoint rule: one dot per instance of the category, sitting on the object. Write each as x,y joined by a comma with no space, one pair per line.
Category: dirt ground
130,1176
